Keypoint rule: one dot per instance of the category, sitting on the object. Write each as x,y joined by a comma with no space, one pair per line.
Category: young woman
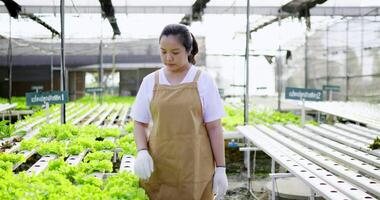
182,156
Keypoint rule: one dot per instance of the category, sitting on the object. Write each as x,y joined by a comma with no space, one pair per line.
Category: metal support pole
246,94
346,71
51,72
47,112
100,68
303,113
327,55
312,195
318,117
113,66
254,164
246,91
249,168
306,66
279,79
137,80
63,84
248,164
361,39
273,171
75,84
330,95
10,62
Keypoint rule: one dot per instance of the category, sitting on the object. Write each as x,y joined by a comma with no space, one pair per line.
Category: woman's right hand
143,164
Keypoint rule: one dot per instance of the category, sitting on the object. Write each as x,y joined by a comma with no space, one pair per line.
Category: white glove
220,183
143,164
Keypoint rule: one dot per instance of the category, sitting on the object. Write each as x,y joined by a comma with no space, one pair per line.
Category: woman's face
173,54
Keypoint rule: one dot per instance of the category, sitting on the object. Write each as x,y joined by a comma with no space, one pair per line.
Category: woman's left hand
220,182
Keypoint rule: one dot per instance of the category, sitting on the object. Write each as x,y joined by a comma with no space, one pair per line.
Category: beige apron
179,145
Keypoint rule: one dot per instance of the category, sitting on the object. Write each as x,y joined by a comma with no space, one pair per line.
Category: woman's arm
215,133
143,167
141,133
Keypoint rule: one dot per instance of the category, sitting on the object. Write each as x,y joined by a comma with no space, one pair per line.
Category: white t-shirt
212,106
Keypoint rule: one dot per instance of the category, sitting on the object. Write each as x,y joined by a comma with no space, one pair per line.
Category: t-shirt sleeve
140,109
213,105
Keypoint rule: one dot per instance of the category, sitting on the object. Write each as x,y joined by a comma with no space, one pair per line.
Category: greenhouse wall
344,53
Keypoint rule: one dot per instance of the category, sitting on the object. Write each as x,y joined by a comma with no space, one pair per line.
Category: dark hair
185,37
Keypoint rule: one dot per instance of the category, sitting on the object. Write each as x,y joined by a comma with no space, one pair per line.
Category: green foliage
124,186
57,131
21,103
375,144
47,185
104,145
53,147
36,115
80,144
120,186
12,158
63,181
29,144
107,99
7,161
90,131
75,149
81,138
96,166
312,122
109,132
57,164
7,130
6,165
235,117
48,131
129,127
127,143
99,155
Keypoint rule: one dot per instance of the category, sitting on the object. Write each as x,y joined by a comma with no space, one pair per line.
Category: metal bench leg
312,195
247,162
273,171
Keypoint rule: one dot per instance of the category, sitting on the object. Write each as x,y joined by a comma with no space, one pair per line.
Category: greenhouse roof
138,19
262,7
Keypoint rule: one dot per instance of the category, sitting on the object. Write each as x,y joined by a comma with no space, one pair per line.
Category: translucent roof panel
89,25
233,3
346,3
351,3
115,3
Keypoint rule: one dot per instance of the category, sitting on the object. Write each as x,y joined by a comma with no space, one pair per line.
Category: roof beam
12,7
256,10
197,12
44,24
301,8
108,12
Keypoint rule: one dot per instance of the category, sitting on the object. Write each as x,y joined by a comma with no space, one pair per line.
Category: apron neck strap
197,76
157,77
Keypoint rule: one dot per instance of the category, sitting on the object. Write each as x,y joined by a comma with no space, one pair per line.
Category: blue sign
53,97
334,88
94,90
302,93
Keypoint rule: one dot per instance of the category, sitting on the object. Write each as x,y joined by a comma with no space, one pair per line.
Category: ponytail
194,50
